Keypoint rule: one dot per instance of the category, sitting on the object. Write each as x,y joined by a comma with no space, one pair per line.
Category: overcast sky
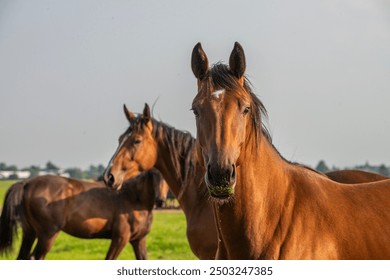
322,69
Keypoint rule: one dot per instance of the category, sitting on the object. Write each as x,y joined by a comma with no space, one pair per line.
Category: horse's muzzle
159,202
221,181
109,180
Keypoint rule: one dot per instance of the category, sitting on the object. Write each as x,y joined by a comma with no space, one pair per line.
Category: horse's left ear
146,113
237,62
129,115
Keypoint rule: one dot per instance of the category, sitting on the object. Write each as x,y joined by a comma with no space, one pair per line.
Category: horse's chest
140,224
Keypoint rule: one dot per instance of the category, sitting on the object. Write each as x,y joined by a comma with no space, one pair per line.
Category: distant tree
367,167
12,168
51,167
6,167
3,166
334,168
34,170
94,172
75,172
100,169
383,170
322,167
91,172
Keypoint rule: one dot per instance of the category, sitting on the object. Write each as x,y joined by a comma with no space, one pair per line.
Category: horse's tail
10,215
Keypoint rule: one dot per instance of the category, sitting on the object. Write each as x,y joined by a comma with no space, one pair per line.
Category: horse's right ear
237,62
129,115
199,62
146,113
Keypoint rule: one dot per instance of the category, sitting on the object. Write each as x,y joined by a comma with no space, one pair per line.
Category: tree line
92,172
380,169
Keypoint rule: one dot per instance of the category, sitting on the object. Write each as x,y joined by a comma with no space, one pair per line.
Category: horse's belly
88,228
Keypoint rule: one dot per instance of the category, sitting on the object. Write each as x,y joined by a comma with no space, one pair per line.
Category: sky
321,68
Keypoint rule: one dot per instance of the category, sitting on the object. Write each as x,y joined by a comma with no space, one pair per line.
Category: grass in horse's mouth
221,190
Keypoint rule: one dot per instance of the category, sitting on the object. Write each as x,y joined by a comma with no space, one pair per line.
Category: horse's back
41,191
354,176
51,187
341,221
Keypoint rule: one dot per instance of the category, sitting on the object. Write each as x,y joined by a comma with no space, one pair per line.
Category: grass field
166,241
4,185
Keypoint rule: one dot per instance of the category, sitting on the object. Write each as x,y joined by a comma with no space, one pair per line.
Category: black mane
182,149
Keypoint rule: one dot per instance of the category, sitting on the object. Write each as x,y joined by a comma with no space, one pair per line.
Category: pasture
166,241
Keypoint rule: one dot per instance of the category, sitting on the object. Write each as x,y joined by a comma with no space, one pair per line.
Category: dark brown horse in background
354,176
147,143
46,205
265,206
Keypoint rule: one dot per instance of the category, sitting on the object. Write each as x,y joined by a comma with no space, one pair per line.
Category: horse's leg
116,246
119,239
139,247
120,236
27,243
45,242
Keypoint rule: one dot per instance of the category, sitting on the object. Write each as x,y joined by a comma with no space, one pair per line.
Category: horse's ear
146,113
129,115
237,61
199,62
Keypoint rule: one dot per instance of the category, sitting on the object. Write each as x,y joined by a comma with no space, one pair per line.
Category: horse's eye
196,113
137,141
246,111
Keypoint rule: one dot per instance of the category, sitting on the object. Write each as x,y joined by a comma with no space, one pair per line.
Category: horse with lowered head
46,205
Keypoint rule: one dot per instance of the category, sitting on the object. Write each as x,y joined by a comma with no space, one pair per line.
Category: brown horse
265,206
47,205
147,143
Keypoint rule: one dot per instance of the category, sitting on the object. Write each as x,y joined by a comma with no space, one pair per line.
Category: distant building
59,173
4,174
21,175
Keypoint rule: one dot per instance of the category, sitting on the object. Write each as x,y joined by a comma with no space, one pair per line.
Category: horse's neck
185,188
263,179
262,199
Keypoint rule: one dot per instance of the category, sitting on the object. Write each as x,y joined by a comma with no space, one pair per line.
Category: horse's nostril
233,175
110,180
209,177
159,203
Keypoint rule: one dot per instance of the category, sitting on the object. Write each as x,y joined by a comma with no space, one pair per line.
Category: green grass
166,241
4,185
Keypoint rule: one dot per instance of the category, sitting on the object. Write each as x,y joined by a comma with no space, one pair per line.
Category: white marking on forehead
217,93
